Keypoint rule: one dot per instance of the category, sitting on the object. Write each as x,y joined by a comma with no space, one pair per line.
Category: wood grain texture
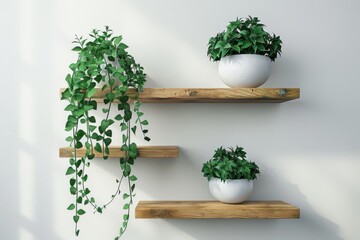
214,209
211,95
115,152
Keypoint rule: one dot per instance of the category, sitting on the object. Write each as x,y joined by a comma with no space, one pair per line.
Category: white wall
308,149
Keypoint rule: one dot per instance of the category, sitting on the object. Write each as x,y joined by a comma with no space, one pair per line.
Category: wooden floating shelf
115,152
211,95
214,209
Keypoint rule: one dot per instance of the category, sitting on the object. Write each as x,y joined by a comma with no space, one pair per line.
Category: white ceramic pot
104,72
230,191
245,70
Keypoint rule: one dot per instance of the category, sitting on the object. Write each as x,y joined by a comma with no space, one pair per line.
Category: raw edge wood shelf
214,209
115,152
211,95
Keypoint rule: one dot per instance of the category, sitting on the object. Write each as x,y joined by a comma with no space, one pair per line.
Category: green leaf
90,93
117,40
104,87
66,94
81,212
69,139
127,115
133,129
80,173
76,218
125,196
123,46
78,113
123,126
133,147
99,210
104,125
98,78
244,32
261,47
246,44
88,107
111,58
76,49
119,117
73,190
71,207
70,107
107,152
107,141
145,122
236,48
131,160
92,119
124,138
110,96
78,145
133,178
72,119
78,97
92,128
132,154
108,133
79,134
98,148
72,182
84,178
78,163
126,206
70,171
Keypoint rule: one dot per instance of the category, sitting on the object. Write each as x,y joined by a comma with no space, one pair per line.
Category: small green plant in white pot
245,51
230,175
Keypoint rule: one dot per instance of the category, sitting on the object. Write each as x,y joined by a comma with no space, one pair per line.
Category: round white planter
230,191
245,70
104,72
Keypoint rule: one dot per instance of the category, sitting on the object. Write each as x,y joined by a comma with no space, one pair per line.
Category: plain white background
308,149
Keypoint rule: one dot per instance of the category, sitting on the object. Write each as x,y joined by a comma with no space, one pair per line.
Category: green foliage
230,164
102,58
244,36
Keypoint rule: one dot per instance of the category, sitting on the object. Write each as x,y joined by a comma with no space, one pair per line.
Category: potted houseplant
230,175
102,61
245,51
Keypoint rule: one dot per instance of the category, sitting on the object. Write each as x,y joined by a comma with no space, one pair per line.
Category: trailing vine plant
102,60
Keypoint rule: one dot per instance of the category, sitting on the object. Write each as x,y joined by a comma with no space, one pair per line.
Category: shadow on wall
26,178
309,226
193,187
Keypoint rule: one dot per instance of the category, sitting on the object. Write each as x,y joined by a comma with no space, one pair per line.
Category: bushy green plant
230,164
244,36
102,59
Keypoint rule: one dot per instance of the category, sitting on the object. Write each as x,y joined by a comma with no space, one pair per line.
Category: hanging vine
102,60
